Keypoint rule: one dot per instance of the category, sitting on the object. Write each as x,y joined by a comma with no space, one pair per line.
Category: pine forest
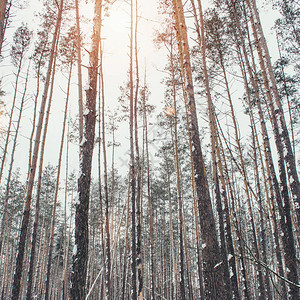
149,149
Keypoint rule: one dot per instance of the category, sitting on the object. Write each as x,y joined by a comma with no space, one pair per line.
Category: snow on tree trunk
212,271
80,256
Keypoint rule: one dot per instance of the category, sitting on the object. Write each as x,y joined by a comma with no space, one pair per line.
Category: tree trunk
106,198
212,271
180,207
150,211
56,189
124,271
132,169
25,219
100,181
139,191
80,254
215,149
234,220
39,184
78,48
66,236
3,5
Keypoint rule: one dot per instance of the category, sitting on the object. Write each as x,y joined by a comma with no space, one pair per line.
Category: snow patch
87,85
76,200
86,111
75,250
217,265
83,141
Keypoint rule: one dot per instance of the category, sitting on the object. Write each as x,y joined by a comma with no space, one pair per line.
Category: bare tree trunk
65,283
183,251
231,255
180,207
78,48
212,271
66,237
25,219
106,198
35,280
150,212
234,220
102,287
199,261
80,256
3,6
100,183
261,213
57,188
138,167
5,275
215,150
40,259
39,184
132,168
124,271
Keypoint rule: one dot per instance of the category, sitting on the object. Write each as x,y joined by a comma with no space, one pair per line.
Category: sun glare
118,19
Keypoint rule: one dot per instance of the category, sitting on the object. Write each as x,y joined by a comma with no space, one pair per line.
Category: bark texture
80,253
212,267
